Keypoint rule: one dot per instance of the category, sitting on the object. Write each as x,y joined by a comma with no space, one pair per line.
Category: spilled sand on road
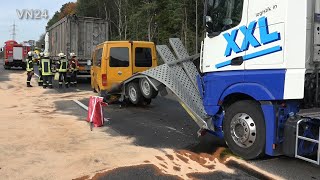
37,141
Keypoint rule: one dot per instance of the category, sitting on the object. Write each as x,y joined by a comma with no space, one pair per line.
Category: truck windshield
225,14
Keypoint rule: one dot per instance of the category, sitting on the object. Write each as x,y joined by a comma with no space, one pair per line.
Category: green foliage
54,19
66,9
154,20
41,40
144,20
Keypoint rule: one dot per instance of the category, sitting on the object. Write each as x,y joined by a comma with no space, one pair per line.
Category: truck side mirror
209,24
209,27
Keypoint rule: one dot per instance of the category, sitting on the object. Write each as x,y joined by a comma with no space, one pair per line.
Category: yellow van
116,61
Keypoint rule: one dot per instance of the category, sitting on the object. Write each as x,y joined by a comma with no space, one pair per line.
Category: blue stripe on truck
262,85
252,56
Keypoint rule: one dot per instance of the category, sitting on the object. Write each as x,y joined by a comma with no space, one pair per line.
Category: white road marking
81,105
86,108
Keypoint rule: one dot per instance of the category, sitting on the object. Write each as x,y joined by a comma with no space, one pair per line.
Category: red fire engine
15,54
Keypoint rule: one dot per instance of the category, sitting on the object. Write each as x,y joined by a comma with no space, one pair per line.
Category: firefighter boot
67,85
40,83
28,84
50,86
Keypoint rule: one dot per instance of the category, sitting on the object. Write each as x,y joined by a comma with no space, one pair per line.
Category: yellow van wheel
134,93
147,89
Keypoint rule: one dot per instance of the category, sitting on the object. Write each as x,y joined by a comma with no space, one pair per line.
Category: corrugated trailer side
79,35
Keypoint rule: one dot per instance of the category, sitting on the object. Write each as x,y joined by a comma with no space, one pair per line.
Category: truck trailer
79,35
258,81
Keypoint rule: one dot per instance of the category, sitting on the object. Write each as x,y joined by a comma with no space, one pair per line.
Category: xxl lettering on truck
249,39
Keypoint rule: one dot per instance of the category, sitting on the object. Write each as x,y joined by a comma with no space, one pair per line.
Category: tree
55,18
41,40
65,10
151,20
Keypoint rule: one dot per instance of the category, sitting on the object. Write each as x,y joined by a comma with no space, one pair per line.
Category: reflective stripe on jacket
29,65
39,64
63,65
46,67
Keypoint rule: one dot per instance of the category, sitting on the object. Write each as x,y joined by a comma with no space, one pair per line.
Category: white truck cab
260,61
259,70
268,35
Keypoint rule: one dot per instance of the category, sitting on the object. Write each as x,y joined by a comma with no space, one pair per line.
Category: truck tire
147,89
244,129
6,67
134,93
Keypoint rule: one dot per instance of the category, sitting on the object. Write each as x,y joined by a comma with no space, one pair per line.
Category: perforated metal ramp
180,78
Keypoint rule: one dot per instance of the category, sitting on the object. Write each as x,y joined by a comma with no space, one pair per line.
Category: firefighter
46,71
30,73
73,66
63,70
40,80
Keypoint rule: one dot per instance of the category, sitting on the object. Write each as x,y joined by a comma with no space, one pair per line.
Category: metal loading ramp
179,75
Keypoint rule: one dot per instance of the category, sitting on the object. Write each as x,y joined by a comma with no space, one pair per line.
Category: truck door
119,63
17,53
266,50
96,69
144,57
223,46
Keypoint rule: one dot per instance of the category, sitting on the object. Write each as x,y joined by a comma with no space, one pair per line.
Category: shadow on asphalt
163,124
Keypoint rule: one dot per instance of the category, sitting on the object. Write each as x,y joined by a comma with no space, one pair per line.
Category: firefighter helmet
46,54
61,55
73,55
30,53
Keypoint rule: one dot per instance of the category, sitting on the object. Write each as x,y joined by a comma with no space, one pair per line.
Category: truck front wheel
244,129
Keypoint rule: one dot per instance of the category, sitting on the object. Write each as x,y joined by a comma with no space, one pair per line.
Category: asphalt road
164,124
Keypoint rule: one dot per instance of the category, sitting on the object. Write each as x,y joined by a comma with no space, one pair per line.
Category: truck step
180,78
308,140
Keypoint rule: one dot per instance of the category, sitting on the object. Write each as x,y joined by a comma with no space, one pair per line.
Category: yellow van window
143,57
119,57
98,57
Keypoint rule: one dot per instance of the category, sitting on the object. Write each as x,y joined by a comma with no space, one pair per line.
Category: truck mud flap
180,77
